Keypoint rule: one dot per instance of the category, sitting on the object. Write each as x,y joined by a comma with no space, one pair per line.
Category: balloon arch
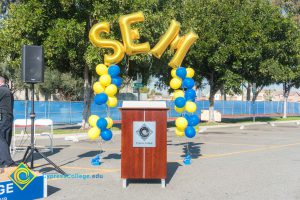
182,78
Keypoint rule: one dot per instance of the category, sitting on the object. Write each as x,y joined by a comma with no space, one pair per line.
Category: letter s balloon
96,40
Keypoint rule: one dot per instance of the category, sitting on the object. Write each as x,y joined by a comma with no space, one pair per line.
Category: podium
144,140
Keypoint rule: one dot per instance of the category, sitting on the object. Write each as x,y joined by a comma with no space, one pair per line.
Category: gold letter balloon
110,81
128,35
96,40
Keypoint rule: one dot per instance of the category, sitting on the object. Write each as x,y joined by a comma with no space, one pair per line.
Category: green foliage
250,40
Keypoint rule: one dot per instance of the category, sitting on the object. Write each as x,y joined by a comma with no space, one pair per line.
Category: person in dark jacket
6,122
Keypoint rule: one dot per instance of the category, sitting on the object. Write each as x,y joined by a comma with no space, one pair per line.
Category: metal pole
32,116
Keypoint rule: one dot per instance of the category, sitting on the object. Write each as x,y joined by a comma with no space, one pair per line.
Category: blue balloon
114,70
101,98
106,134
187,117
190,94
117,81
180,102
190,132
188,83
102,123
181,72
193,120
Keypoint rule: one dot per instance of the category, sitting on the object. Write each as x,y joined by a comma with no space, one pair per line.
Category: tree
288,73
211,56
287,70
62,27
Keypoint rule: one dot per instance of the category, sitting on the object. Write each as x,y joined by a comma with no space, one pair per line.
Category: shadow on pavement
116,156
47,154
52,190
171,170
193,148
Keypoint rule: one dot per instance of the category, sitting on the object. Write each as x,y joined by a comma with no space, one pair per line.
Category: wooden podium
144,140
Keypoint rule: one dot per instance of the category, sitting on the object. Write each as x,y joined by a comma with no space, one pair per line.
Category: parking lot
258,162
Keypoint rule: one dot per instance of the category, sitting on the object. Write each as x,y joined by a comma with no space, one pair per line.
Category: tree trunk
223,93
211,106
248,95
26,94
213,90
87,97
37,96
285,107
47,96
255,94
286,93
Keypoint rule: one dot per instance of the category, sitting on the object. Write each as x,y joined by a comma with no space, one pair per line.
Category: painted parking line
102,170
236,144
271,147
91,169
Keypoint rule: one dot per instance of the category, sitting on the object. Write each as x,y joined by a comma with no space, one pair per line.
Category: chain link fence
71,112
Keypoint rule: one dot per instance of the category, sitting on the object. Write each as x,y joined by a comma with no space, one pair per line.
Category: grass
74,131
62,131
172,124
244,120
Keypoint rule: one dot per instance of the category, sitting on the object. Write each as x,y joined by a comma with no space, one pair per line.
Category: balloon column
105,90
182,82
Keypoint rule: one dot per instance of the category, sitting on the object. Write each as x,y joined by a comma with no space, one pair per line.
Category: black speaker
32,64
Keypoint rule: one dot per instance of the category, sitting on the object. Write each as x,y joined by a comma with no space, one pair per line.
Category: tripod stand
31,149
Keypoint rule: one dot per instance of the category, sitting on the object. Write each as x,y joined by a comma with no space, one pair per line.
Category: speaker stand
32,149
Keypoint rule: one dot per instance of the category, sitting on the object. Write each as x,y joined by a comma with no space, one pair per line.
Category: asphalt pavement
258,162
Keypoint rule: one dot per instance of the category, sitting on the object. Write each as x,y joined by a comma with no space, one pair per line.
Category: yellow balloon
190,72
179,132
173,73
190,106
166,39
98,88
101,69
94,133
181,123
175,83
182,44
105,80
111,90
112,101
93,120
179,110
196,128
110,122
96,40
178,93
128,35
